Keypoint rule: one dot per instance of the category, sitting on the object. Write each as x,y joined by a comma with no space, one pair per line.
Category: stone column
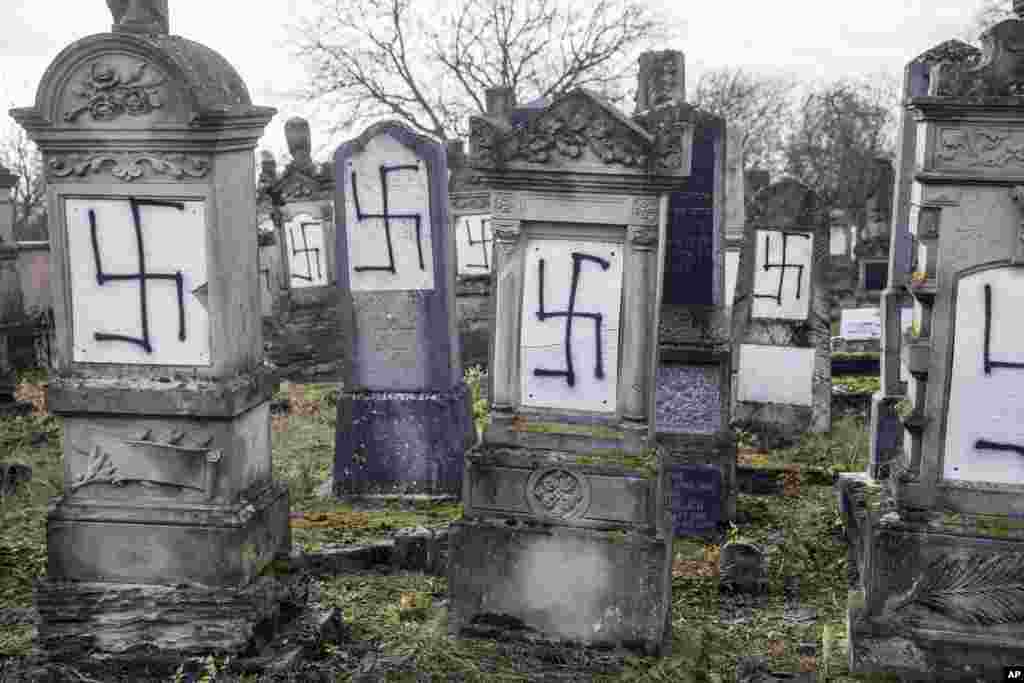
643,244
504,356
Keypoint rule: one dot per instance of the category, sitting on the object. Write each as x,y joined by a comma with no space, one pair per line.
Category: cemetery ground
394,621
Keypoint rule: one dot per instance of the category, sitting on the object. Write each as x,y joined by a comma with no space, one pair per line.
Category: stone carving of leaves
99,470
129,167
979,590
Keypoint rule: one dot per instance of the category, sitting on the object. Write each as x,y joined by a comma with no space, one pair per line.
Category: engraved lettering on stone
141,277
570,314
387,217
559,492
108,93
129,167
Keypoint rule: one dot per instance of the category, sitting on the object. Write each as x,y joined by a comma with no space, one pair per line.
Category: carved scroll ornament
130,166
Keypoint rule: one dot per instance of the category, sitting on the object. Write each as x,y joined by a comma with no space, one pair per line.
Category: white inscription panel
860,323
775,374
307,254
985,420
732,267
473,244
838,236
782,275
570,318
387,218
137,277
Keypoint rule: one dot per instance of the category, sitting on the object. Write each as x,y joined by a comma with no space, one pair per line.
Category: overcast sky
810,39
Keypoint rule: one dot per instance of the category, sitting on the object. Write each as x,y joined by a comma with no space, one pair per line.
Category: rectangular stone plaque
473,244
775,374
732,267
137,275
860,323
695,498
388,219
985,414
570,324
307,253
838,237
688,399
389,340
689,253
782,274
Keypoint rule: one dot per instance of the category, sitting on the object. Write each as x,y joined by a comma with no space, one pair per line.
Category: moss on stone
593,431
646,463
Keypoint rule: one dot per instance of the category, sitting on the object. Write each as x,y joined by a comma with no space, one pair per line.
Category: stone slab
394,442
775,374
307,251
695,498
782,274
123,545
561,584
860,323
473,242
688,399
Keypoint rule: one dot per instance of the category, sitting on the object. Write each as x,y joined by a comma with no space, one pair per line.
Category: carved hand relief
138,281
306,251
985,147
782,275
570,325
985,415
473,244
130,166
109,90
388,220
558,493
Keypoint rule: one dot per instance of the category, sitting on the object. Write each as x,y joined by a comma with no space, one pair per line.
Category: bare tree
841,129
990,14
21,156
430,64
758,106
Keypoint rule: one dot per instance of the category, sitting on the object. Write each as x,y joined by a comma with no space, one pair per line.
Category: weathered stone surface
11,476
743,568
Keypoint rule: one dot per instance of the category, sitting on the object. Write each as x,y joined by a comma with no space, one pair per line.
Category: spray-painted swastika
387,217
484,240
988,363
783,266
306,250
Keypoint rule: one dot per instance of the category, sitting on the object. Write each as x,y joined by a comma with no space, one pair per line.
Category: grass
857,384
406,614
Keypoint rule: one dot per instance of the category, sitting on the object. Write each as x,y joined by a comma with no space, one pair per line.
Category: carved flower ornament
108,94
558,493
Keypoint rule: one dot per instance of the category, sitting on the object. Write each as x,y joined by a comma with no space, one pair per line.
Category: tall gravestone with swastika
780,333
937,595
404,420
565,533
169,507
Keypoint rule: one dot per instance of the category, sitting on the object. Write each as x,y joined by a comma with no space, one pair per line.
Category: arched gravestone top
138,81
787,204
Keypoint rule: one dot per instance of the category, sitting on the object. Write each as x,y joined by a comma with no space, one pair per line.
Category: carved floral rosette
106,93
557,493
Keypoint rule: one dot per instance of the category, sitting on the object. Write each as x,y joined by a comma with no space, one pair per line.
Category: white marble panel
307,253
837,245
775,374
732,267
782,292
906,325
593,348
985,419
473,244
407,192
173,241
860,323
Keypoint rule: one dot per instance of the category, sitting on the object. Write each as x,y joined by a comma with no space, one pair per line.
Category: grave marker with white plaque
858,324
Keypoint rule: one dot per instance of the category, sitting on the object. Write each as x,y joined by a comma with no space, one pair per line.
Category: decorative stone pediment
126,81
582,132
785,205
998,72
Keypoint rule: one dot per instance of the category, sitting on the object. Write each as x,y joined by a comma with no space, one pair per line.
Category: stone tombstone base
153,624
559,546
886,435
418,440
554,583
939,595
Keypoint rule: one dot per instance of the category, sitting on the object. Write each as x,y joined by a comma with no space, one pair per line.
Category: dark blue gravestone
695,498
690,273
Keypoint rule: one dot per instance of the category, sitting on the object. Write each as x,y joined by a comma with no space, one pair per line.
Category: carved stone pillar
643,244
504,355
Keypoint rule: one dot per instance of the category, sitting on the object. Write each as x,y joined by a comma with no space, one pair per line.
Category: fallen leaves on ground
776,648
791,482
330,520
751,457
34,393
705,567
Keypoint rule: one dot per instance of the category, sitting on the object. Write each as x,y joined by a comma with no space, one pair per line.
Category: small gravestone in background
565,536
470,203
169,507
692,406
743,568
939,594
11,304
871,252
780,317
404,420
310,327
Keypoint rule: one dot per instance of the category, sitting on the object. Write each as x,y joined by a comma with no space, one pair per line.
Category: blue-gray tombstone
404,418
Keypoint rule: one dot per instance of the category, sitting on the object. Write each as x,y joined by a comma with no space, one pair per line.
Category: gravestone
309,331
169,508
11,303
735,211
842,272
404,418
565,534
871,252
692,404
780,321
938,595
470,205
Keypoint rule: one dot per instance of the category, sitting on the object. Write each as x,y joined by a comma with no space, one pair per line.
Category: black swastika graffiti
304,251
142,276
988,364
571,314
388,217
483,242
783,266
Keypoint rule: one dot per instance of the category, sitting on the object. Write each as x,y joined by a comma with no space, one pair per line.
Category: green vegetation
593,431
857,384
475,379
